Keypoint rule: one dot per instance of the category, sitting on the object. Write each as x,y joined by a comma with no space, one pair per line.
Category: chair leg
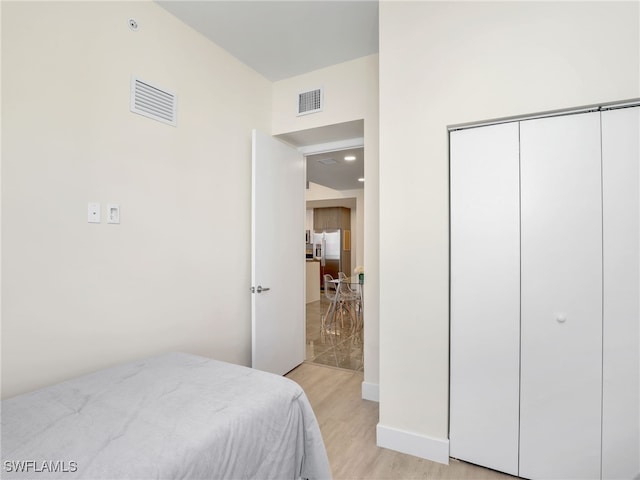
330,311
348,306
356,317
334,309
359,314
339,313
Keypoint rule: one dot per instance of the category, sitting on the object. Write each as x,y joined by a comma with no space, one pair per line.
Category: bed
168,417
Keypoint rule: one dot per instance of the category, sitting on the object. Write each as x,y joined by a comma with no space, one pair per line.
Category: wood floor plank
348,425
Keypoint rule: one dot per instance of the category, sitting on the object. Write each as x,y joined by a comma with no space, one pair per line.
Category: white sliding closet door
561,255
485,296
621,361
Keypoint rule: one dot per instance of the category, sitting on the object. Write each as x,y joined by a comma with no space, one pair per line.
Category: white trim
434,449
332,146
550,113
371,391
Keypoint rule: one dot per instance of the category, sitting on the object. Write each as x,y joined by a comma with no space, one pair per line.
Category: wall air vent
153,102
310,102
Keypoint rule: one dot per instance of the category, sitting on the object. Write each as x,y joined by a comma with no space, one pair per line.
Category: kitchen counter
313,281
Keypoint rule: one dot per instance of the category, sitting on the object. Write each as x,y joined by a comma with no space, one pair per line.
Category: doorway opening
333,333
334,312
334,218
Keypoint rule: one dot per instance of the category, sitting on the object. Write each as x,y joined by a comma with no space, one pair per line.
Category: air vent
310,102
327,161
152,101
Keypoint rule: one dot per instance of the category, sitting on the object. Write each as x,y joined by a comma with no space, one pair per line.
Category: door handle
260,289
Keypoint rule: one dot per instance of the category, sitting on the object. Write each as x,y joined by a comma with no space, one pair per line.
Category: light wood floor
348,426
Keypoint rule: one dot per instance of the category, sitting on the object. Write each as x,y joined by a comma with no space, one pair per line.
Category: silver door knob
260,289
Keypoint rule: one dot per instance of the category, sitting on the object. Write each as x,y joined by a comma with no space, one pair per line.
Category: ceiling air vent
327,161
152,101
310,102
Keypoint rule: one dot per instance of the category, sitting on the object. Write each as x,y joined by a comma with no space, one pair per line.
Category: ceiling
327,134
333,171
332,141
282,39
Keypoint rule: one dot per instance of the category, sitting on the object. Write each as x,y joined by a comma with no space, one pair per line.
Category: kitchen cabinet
545,282
325,218
330,218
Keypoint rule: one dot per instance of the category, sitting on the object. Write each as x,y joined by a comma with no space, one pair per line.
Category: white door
621,332
485,296
561,254
277,255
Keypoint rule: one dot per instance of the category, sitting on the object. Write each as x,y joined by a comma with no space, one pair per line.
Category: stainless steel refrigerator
327,249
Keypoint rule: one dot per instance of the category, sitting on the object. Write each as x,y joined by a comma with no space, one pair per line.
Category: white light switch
93,213
113,213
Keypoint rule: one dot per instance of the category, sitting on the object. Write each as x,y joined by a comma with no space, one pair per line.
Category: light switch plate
113,213
93,213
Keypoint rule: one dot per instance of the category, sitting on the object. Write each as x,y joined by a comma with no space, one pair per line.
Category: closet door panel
621,332
561,253
485,296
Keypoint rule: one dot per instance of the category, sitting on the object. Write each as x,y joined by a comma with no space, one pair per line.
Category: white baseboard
434,449
371,391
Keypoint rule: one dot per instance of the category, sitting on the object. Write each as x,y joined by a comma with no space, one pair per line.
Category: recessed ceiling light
350,158
361,179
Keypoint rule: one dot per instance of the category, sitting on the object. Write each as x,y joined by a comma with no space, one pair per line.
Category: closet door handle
561,318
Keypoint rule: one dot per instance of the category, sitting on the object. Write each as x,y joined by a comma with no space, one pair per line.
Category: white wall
308,223
174,275
444,63
350,93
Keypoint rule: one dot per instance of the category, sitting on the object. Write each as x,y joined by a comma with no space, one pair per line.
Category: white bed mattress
168,417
